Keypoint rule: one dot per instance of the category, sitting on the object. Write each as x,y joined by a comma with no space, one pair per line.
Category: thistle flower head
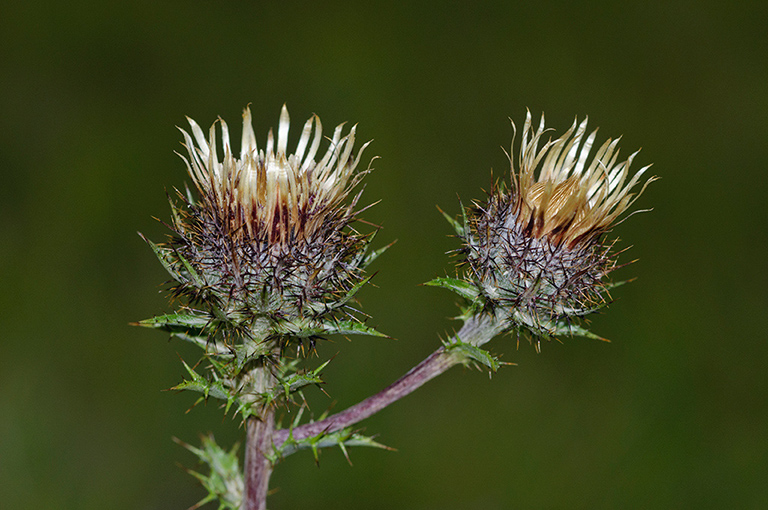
270,196
563,195
270,234
537,252
264,258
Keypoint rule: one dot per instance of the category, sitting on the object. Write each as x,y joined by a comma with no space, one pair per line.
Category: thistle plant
266,260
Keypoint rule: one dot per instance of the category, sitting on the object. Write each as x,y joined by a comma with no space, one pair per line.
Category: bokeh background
671,414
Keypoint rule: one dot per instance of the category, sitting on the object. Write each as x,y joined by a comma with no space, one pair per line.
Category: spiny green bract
527,283
542,287
256,286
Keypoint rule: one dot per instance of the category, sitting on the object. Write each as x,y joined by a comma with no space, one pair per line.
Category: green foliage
462,227
224,481
307,328
342,439
227,363
365,257
216,385
233,343
291,379
469,354
463,288
188,326
176,265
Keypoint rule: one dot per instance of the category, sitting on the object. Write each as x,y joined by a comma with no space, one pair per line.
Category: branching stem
477,330
262,436
434,365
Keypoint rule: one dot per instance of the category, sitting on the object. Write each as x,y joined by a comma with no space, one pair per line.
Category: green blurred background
671,414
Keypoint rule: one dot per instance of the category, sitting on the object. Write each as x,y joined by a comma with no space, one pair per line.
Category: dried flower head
537,253
269,236
271,196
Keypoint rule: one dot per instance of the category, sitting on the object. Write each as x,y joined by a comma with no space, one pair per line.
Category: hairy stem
434,365
257,467
477,330
259,440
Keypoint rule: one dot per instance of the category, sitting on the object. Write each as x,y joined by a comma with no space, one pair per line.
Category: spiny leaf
201,341
563,328
463,288
458,227
209,388
167,258
175,212
349,328
195,278
341,438
173,322
465,227
294,382
225,480
469,353
177,266
216,388
374,255
245,353
310,328
188,327
352,292
323,308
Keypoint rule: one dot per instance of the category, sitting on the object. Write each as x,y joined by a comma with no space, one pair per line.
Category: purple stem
257,466
477,330
434,365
